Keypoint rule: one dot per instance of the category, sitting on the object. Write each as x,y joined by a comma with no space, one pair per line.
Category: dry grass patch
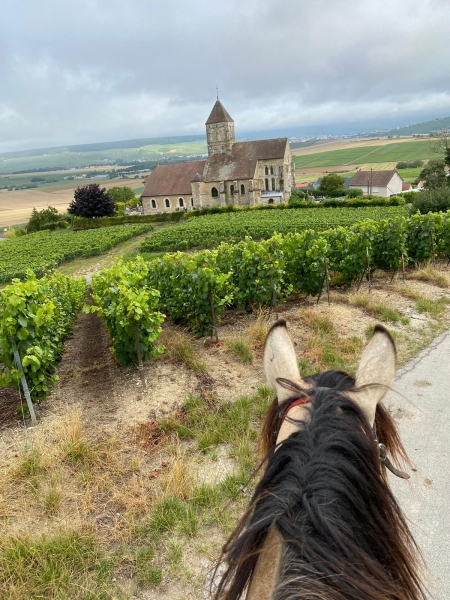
434,308
180,350
256,331
381,311
325,348
430,275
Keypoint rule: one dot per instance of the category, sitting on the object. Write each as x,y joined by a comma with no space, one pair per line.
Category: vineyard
46,250
36,316
210,230
195,289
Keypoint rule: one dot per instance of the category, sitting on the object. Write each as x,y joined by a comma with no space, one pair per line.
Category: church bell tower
219,131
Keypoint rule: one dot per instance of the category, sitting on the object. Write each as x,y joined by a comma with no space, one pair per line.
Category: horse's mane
345,537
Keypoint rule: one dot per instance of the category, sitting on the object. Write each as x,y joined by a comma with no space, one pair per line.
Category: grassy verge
128,248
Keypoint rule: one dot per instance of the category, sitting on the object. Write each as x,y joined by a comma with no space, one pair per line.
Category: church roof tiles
241,163
218,114
170,180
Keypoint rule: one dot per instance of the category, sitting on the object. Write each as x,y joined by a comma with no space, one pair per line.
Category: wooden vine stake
274,297
432,246
403,269
213,316
365,270
138,352
327,278
26,391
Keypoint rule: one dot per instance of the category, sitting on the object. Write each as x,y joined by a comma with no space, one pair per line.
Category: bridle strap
382,455
295,402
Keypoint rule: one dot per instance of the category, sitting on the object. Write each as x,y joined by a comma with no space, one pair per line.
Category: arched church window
270,200
273,184
180,202
266,171
192,202
271,170
167,203
214,193
266,186
242,189
153,203
231,189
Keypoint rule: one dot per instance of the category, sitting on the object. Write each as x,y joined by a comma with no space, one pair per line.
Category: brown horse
323,523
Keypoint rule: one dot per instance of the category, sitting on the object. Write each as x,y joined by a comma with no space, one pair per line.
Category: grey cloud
103,69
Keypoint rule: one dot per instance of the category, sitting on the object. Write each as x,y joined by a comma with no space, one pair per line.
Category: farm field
395,151
347,156
208,231
137,489
16,206
344,144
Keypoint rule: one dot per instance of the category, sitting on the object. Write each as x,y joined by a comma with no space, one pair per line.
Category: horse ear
376,372
280,360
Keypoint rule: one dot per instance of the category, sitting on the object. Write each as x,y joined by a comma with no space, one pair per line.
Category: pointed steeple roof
219,114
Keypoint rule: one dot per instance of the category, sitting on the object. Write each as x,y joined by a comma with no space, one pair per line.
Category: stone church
239,173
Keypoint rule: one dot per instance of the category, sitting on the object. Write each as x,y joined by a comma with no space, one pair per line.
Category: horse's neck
265,575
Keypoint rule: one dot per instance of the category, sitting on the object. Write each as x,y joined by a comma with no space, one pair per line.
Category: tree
122,194
434,175
40,219
331,183
91,201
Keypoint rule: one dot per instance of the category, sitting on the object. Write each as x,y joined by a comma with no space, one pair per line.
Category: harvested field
16,206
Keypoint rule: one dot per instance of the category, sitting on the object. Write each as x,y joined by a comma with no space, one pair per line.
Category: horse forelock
344,534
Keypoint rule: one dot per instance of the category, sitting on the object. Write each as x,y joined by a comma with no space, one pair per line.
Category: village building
377,183
238,173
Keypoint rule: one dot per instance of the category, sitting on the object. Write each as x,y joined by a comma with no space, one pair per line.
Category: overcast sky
100,70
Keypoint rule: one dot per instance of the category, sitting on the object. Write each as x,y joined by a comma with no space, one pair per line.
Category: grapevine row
195,289
45,250
36,315
208,231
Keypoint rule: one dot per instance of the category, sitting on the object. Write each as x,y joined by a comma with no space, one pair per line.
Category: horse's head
323,523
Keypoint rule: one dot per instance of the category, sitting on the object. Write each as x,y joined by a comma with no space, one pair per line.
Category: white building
377,183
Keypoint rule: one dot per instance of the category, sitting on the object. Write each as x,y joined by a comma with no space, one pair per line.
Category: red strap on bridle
296,402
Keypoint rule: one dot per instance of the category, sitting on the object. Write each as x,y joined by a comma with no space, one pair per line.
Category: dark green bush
354,192
44,219
55,226
434,200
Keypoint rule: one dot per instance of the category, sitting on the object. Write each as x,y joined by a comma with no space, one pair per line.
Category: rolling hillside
363,154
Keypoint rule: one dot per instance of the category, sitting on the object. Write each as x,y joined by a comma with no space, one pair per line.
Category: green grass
410,174
363,154
241,350
433,308
181,351
29,464
143,568
69,565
